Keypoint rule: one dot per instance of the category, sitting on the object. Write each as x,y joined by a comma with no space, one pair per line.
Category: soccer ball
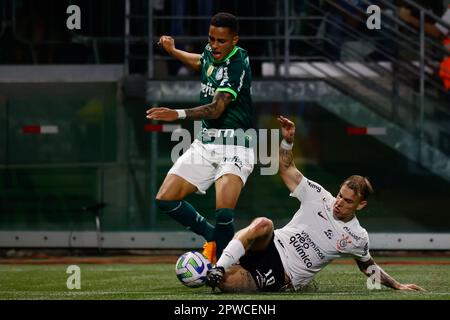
191,269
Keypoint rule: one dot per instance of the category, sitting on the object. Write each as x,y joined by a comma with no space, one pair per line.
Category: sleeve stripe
229,90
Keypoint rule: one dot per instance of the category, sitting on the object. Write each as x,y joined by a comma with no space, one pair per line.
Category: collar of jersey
228,56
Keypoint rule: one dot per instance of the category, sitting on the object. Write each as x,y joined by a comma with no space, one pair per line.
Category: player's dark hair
225,20
360,185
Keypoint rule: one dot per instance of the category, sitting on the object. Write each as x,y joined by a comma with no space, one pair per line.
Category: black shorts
265,267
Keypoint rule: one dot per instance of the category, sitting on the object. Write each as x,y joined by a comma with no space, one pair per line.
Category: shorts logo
343,242
235,160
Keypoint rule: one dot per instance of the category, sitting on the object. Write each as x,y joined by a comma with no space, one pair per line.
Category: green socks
185,214
224,229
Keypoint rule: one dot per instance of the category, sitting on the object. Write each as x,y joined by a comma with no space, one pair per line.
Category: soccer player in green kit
226,106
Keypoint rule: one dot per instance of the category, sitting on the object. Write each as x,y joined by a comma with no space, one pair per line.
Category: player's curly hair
360,185
225,20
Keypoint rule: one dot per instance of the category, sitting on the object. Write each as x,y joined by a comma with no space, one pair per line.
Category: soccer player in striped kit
213,157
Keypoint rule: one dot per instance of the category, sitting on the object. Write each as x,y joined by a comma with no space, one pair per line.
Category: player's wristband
286,145
181,113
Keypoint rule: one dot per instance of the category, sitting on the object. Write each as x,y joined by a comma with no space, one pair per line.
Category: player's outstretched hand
214,277
287,129
167,43
162,114
410,287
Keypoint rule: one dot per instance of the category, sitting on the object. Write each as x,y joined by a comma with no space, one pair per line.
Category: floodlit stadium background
80,163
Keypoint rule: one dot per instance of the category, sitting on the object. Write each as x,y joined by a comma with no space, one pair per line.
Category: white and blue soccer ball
191,269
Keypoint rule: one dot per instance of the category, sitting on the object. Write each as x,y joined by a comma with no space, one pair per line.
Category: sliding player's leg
230,277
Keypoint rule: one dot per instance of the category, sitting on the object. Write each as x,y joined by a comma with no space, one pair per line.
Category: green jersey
232,75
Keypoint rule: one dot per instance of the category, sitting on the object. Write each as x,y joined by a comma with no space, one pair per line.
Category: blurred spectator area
35,32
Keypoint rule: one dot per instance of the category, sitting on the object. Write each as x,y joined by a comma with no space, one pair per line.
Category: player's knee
163,195
262,226
167,206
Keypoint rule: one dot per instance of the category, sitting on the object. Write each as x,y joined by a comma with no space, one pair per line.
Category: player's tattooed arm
209,111
384,278
286,159
288,171
212,110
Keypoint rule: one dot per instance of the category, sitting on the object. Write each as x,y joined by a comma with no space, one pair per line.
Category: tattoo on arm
286,158
385,279
288,171
212,110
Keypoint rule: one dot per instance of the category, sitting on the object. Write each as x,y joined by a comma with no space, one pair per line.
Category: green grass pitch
158,281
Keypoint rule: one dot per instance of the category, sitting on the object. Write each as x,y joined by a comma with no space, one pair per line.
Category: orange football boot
209,251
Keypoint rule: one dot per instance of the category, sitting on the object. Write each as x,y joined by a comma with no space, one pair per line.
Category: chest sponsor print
304,245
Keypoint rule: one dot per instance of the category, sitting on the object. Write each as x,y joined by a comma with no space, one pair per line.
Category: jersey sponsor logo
329,234
302,244
343,242
314,186
321,215
207,89
349,231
